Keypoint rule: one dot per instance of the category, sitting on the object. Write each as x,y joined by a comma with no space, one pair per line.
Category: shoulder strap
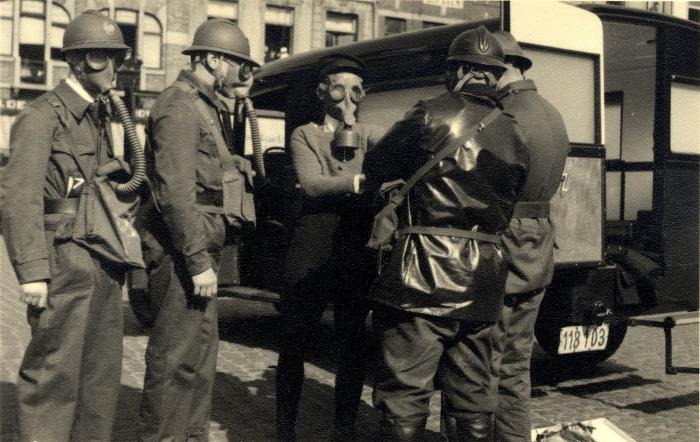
60,110
227,162
445,151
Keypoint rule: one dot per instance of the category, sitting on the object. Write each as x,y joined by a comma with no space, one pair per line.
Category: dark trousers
419,354
180,358
513,337
69,379
301,315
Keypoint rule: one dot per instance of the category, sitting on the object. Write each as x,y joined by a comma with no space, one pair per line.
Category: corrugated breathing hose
258,161
137,160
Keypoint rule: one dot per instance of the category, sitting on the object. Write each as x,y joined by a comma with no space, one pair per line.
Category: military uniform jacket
184,168
475,187
529,240
43,169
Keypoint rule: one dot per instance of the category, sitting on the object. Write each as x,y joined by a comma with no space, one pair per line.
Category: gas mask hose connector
137,160
258,161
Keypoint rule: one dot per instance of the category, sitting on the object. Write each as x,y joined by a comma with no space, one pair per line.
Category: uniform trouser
301,315
180,358
69,379
513,337
418,354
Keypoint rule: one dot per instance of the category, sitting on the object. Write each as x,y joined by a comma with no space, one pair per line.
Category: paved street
630,389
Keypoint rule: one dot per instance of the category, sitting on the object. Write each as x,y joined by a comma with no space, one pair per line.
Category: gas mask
233,78
340,94
97,70
470,76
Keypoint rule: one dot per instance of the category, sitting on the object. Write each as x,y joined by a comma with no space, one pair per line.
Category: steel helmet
93,30
477,46
221,35
512,50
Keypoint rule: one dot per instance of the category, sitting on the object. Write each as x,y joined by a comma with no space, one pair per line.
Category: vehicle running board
668,321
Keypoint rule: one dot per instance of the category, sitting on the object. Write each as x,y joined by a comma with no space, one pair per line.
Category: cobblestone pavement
630,389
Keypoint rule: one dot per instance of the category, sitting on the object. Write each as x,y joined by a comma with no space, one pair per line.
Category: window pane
57,36
31,31
554,74
613,127
386,108
341,23
32,7
685,114
126,16
5,36
6,8
151,25
394,25
640,197
224,9
151,50
279,16
59,15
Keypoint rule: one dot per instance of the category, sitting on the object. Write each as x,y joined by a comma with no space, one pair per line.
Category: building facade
31,33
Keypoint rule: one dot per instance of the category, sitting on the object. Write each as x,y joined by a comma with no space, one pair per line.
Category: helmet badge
483,43
108,27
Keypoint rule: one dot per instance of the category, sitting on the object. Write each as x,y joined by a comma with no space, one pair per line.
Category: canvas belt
446,231
531,209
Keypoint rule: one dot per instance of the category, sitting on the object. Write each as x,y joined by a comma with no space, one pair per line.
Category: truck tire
547,332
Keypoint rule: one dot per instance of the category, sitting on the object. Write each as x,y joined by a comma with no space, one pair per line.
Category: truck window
384,108
568,81
685,108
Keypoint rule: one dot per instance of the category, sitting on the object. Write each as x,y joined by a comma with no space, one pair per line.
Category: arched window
6,27
59,21
127,19
152,42
32,41
151,49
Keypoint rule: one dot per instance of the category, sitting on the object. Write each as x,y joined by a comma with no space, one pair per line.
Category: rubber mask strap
464,80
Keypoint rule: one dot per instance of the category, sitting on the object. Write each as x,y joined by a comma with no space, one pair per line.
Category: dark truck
627,85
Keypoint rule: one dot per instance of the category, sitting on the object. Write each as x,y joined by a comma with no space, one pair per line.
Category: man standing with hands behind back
528,242
202,200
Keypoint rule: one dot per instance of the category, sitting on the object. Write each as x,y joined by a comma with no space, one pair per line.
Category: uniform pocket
208,165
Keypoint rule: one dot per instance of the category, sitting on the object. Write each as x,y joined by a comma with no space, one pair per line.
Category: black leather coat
474,188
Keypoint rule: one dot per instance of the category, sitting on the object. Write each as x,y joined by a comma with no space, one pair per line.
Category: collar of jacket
515,87
480,93
70,98
204,89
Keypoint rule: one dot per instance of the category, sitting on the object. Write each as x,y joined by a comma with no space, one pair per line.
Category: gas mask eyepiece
99,60
338,93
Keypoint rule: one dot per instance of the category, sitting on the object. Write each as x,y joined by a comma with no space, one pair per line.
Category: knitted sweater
322,170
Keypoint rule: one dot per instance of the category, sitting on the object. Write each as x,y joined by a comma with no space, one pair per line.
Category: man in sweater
327,260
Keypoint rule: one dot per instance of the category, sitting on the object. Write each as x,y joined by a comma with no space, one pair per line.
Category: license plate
578,338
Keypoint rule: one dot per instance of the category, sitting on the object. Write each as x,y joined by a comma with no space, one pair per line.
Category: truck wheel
547,332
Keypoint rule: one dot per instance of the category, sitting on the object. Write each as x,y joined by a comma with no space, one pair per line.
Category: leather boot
391,432
476,428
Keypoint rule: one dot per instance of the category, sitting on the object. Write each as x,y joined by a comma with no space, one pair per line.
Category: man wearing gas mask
201,200
464,163
70,375
326,260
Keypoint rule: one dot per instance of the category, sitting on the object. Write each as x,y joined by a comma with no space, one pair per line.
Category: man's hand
34,293
205,283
